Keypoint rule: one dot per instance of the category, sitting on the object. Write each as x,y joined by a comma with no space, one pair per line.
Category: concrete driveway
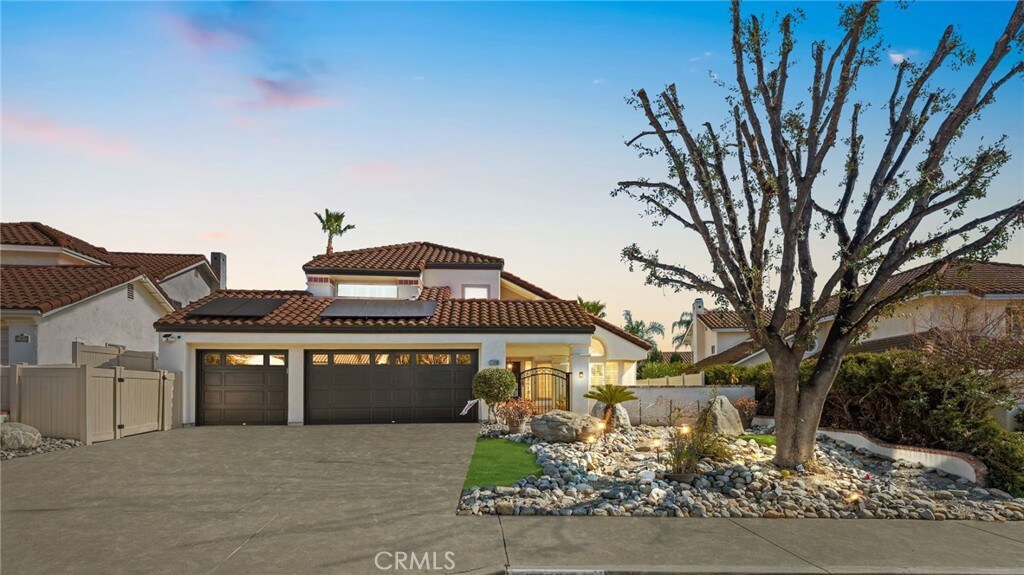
317,499
332,499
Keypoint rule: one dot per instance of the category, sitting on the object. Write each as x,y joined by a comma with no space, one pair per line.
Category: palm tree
594,307
643,330
333,224
681,325
610,395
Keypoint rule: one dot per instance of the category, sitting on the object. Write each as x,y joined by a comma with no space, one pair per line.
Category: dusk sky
492,127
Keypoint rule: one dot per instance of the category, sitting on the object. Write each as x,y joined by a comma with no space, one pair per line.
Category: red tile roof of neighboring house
407,257
301,312
159,266
530,287
37,234
686,356
731,355
46,288
723,318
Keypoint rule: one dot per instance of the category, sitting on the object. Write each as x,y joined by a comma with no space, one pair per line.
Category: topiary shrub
494,385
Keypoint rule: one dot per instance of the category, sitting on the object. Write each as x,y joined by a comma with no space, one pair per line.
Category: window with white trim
476,292
383,291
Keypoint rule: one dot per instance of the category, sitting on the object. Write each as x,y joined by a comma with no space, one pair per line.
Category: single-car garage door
389,386
242,388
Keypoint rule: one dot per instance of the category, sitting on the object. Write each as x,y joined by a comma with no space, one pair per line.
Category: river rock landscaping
621,475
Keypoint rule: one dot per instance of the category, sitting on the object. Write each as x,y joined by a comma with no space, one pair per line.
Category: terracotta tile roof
408,257
46,288
731,355
884,344
723,318
530,287
301,312
37,234
436,293
687,356
619,331
159,266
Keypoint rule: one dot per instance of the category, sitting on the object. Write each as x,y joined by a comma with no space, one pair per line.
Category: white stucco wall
457,278
109,317
25,351
188,286
178,353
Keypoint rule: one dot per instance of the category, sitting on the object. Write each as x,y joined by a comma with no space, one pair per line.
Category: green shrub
494,385
655,370
675,357
724,374
1002,452
909,398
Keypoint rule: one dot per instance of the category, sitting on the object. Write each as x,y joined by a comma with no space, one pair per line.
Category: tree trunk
798,409
608,423
330,245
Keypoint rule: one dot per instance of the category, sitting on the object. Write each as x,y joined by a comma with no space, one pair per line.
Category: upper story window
476,292
368,291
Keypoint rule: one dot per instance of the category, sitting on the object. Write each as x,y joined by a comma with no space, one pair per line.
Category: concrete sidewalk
354,499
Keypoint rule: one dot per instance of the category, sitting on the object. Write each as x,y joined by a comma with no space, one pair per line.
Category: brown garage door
242,388
389,386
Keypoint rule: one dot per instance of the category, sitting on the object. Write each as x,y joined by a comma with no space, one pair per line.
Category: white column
492,354
579,364
296,385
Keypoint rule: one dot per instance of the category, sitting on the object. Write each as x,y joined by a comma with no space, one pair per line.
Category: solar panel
238,307
380,308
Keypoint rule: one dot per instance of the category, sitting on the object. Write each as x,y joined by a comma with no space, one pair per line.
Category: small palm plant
610,395
333,224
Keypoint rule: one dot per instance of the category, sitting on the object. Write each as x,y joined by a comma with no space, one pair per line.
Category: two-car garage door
386,386
389,386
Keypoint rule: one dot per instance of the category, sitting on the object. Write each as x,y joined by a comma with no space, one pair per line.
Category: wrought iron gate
547,387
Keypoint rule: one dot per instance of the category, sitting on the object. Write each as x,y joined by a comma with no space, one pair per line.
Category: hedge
655,370
904,397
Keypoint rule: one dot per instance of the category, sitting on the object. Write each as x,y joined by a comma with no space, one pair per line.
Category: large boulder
620,417
15,436
564,426
724,418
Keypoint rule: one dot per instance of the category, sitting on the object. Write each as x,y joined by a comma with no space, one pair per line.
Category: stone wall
654,402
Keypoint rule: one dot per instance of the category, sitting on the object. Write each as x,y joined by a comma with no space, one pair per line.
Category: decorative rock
559,426
504,508
620,417
18,436
724,417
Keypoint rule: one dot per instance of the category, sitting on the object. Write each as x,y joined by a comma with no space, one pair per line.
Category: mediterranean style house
387,334
56,289
984,296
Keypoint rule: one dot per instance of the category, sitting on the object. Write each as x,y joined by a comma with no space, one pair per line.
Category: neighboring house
988,297
58,289
387,334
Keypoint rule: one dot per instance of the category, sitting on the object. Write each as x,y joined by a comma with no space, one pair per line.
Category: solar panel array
375,308
238,307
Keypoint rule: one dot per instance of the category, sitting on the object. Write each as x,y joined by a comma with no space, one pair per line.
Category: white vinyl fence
89,403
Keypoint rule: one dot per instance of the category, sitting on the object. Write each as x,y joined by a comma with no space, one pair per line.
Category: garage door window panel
433,359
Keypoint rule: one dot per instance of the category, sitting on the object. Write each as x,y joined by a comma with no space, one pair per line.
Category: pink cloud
215,235
82,139
206,35
375,171
277,94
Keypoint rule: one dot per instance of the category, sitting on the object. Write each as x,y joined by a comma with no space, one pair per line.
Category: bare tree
752,190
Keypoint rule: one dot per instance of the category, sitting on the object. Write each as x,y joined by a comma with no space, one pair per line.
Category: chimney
698,306
219,263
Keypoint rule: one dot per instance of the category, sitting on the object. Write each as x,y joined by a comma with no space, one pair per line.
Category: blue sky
496,127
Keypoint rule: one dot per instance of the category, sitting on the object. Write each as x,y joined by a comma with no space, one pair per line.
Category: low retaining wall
952,462
655,402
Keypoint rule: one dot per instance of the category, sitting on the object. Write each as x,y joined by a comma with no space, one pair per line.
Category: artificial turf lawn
760,439
500,462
